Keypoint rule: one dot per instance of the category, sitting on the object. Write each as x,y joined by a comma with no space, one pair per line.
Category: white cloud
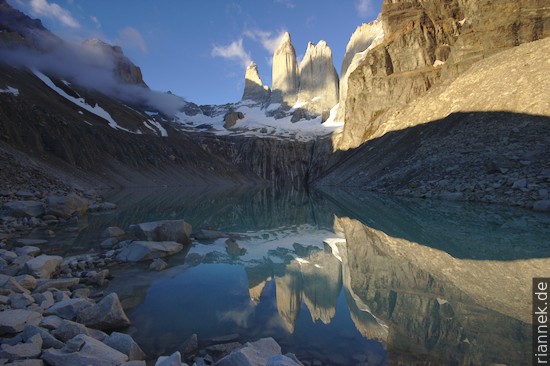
131,38
42,8
233,51
96,21
269,40
363,7
288,3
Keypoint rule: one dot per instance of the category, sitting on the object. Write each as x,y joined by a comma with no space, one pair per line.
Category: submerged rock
138,251
66,206
25,208
167,230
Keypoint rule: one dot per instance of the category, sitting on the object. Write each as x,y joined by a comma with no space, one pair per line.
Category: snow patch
162,130
438,63
151,114
332,243
256,124
97,110
10,90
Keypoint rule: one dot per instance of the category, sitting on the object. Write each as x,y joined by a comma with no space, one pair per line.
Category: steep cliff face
254,89
427,43
460,142
285,73
363,39
318,78
282,162
124,69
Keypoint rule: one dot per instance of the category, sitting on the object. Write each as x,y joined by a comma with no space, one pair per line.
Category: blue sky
198,49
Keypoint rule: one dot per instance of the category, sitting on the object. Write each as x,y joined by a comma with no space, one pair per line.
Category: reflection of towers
316,281
289,294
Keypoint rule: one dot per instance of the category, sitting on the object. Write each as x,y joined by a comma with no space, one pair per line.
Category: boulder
281,360
68,329
83,350
144,250
43,266
58,283
542,205
28,250
48,341
252,354
173,360
68,309
66,206
25,208
30,349
125,343
14,321
167,230
107,314
44,299
11,283
27,362
21,301
26,281
31,242
158,265
113,232
191,345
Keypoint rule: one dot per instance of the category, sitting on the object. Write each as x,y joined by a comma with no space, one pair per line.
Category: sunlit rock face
362,40
285,73
254,89
427,43
318,78
124,69
446,309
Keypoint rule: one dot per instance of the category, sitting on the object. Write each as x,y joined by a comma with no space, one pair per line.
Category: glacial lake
342,277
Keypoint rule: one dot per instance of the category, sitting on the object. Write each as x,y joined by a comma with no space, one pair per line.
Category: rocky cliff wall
427,43
280,162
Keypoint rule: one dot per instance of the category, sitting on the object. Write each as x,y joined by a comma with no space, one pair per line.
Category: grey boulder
167,230
125,343
30,349
83,350
68,309
138,251
252,354
66,206
107,314
43,266
14,321
25,208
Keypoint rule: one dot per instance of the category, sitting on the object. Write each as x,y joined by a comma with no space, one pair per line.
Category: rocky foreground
54,311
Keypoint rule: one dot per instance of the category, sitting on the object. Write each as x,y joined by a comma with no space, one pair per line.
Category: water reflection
341,278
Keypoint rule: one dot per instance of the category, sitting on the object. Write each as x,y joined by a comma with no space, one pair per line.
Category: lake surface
345,278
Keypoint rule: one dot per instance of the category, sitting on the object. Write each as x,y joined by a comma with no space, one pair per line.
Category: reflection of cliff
438,307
